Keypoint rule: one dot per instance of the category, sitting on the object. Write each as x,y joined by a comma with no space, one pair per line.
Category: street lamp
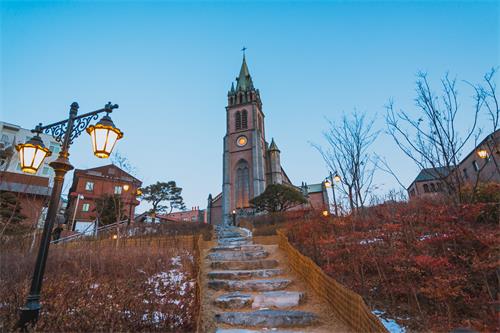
32,154
234,217
330,182
482,153
126,187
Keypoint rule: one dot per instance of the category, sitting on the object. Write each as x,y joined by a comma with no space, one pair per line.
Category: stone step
245,264
249,285
237,255
237,248
233,300
228,234
277,299
223,242
268,299
244,274
267,318
233,239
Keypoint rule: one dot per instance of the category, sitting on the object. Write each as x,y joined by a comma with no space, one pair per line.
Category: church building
250,163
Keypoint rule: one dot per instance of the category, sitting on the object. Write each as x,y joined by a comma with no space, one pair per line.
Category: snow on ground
390,324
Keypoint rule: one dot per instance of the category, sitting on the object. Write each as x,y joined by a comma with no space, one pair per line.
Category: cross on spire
243,50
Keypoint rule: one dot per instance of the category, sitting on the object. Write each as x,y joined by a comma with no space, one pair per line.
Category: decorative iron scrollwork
80,125
57,131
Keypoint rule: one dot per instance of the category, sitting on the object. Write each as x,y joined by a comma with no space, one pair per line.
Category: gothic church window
244,119
238,120
242,189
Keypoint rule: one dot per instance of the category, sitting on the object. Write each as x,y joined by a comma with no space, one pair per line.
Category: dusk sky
169,66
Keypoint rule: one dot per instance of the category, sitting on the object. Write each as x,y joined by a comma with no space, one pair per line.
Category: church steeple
245,91
244,80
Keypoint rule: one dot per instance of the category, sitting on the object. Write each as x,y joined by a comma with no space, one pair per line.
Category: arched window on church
242,189
244,119
237,120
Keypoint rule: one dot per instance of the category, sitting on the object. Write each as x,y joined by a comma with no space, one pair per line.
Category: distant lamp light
482,153
32,154
325,213
104,135
126,187
115,236
328,183
336,177
234,212
138,192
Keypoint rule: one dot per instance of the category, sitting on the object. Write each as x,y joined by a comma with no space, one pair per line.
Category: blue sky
169,66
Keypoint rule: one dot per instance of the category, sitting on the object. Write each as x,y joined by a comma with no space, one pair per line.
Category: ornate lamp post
32,153
330,182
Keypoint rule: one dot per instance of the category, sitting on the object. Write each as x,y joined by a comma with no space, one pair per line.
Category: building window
242,184
433,187
426,188
244,119
466,176
5,139
475,165
440,187
238,120
54,148
45,171
118,190
85,207
89,186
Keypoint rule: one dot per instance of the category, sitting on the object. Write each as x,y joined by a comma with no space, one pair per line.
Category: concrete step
245,264
249,285
228,234
267,318
235,300
238,255
244,274
277,299
237,248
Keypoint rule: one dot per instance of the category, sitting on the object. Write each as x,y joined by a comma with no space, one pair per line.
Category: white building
11,135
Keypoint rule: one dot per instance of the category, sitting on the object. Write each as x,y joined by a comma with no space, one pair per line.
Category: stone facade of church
250,163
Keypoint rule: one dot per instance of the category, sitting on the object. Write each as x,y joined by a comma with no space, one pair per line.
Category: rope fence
347,305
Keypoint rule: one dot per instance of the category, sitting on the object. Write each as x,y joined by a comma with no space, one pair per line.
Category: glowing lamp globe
482,153
126,187
104,135
325,213
32,154
328,183
336,177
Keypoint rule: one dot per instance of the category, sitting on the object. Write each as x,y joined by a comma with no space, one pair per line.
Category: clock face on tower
241,141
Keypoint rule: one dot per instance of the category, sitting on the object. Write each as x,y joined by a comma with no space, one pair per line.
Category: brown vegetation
99,286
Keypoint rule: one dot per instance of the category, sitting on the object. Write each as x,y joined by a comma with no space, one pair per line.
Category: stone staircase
251,291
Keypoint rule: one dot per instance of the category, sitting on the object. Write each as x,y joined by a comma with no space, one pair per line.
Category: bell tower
244,157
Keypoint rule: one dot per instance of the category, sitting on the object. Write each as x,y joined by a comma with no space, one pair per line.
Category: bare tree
347,153
431,138
486,94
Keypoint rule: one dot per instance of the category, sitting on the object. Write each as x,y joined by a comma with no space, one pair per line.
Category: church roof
244,80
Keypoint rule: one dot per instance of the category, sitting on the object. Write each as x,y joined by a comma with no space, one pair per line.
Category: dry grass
89,288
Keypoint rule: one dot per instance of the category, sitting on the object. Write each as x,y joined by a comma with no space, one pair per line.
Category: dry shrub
431,265
90,288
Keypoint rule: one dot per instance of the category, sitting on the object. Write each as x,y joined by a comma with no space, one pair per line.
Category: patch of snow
390,324
369,241
94,286
176,261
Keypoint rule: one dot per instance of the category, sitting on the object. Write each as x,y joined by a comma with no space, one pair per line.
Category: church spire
244,80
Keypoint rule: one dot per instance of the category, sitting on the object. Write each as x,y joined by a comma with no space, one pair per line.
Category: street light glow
104,135
126,187
32,154
482,153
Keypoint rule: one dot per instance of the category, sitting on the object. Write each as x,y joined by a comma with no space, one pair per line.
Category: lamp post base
29,313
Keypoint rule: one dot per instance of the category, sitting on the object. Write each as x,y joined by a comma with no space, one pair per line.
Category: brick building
482,164
33,193
250,163
91,184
